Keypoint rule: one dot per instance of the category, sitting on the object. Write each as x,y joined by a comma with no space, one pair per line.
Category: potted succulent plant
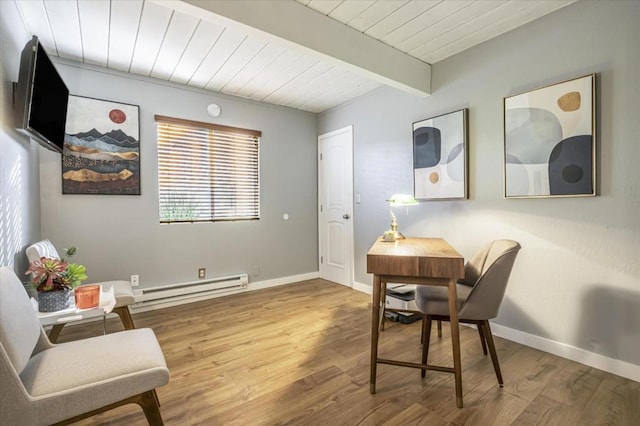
54,279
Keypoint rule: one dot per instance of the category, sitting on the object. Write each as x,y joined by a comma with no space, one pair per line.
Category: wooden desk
422,261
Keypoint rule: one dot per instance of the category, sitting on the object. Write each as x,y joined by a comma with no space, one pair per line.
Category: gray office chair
480,294
121,289
42,383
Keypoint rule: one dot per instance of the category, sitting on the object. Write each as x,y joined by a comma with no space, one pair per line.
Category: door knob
346,216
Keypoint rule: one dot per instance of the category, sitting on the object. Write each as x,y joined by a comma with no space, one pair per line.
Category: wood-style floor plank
299,355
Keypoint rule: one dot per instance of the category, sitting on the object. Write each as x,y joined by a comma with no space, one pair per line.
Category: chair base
484,330
146,400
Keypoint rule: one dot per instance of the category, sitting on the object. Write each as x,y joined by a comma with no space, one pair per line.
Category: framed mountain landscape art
101,152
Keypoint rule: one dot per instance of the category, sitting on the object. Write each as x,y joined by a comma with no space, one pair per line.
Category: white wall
121,235
19,184
576,279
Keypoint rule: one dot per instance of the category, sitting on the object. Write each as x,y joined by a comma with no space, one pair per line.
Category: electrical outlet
201,273
135,280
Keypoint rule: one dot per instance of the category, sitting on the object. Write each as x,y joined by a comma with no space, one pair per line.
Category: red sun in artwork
117,116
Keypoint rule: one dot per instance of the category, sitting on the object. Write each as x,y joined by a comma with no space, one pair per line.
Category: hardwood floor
299,355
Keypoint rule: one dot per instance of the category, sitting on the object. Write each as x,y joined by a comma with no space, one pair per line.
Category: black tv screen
43,97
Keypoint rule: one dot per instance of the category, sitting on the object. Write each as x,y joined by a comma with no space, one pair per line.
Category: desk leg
455,340
375,327
383,304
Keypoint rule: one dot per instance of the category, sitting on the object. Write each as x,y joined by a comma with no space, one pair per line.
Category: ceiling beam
305,29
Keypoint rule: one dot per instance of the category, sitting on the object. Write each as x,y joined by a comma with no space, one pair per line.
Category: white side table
72,313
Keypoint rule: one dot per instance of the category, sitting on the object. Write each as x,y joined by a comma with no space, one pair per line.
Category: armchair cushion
131,360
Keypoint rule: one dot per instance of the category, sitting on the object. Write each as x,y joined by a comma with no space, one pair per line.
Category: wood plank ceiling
159,39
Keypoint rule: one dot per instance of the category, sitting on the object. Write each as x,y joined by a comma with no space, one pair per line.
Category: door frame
350,244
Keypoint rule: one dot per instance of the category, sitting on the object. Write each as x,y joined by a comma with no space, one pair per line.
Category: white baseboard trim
259,285
592,359
363,288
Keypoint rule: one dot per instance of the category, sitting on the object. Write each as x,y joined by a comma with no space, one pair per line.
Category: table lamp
394,201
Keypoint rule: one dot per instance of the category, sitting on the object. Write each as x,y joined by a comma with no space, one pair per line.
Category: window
207,172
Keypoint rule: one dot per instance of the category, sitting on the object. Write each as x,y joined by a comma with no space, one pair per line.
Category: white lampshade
402,200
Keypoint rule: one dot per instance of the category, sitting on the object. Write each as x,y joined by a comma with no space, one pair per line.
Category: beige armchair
122,289
480,294
42,383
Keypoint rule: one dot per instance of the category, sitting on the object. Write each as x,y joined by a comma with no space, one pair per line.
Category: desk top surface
418,257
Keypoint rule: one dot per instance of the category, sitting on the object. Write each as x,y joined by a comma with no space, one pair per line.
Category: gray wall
576,279
121,235
19,191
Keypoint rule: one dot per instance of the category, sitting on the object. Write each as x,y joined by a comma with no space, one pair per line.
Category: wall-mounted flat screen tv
41,98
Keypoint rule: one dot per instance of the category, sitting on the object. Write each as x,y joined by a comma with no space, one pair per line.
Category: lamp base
392,235
398,235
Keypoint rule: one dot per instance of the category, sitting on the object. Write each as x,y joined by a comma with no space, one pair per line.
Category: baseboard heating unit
177,294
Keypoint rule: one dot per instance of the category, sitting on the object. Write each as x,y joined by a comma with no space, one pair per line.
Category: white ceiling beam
307,30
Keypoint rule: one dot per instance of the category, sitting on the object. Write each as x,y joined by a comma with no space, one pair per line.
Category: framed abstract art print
440,157
549,141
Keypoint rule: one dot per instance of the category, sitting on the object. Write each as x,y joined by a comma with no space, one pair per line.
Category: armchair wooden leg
146,400
439,328
492,350
482,338
426,337
125,317
55,332
149,403
155,396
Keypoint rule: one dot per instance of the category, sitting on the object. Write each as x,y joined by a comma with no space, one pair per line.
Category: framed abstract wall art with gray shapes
101,152
440,157
549,141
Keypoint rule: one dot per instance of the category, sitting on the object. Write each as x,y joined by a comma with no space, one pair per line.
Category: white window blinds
207,172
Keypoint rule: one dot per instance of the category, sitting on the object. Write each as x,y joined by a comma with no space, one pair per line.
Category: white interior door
335,199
